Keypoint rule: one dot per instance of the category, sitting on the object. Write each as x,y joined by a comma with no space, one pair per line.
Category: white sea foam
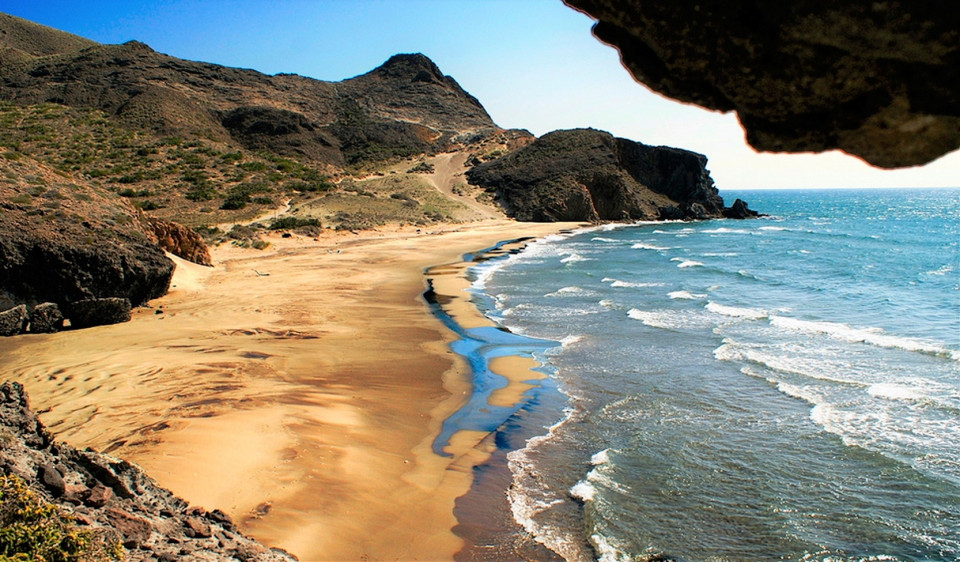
670,319
601,457
583,490
643,246
871,336
686,263
725,230
736,312
621,284
942,270
893,391
773,228
570,340
686,295
607,303
574,258
602,239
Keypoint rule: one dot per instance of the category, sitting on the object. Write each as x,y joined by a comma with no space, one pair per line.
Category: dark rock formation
98,312
45,318
589,175
72,243
13,321
404,107
179,240
112,496
739,210
878,80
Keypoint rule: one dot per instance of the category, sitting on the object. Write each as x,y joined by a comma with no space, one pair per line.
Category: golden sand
298,388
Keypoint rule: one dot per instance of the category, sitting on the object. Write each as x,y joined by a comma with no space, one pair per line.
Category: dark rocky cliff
590,175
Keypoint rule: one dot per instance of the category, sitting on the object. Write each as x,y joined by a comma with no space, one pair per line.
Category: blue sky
532,63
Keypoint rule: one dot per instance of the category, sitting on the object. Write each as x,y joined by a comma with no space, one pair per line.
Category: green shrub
254,166
32,529
289,223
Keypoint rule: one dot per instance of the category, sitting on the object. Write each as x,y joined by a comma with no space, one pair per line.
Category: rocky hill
589,175
405,107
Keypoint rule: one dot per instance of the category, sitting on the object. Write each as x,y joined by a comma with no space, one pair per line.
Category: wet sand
298,388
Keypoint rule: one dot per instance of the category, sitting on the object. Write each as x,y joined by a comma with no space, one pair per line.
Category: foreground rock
875,79
589,175
114,497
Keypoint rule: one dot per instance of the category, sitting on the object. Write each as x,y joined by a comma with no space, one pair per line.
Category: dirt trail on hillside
448,172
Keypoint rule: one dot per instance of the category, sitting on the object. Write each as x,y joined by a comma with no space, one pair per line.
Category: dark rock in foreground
112,496
589,175
877,80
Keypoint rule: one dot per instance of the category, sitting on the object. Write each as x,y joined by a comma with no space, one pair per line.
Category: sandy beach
298,388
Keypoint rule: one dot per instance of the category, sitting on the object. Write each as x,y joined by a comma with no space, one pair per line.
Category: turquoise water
785,388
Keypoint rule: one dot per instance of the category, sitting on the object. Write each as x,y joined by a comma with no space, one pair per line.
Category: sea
784,388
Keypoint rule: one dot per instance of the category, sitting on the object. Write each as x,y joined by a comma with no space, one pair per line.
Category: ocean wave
686,295
893,391
871,336
574,258
736,312
725,230
684,263
671,319
607,303
602,239
621,284
643,246
571,291
570,340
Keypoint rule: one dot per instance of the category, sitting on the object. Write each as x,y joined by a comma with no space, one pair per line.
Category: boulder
45,318
98,312
13,321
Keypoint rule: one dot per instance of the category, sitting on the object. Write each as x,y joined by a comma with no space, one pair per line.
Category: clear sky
533,64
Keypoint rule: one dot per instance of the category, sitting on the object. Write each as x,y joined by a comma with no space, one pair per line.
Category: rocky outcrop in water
590,175
115,497
877,80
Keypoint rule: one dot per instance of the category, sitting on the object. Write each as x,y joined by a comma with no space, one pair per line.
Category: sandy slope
302,401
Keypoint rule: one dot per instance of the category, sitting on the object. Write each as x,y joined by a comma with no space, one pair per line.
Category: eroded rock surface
876,79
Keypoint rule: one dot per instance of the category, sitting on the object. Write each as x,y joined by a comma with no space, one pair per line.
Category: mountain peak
416,65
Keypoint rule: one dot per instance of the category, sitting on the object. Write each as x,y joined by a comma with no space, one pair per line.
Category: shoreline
514,399
304,403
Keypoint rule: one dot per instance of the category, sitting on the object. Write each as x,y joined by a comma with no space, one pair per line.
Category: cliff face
406,106
589,175
875,79
113,499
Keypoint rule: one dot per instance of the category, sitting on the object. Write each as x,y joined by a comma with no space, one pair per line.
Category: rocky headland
590,175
